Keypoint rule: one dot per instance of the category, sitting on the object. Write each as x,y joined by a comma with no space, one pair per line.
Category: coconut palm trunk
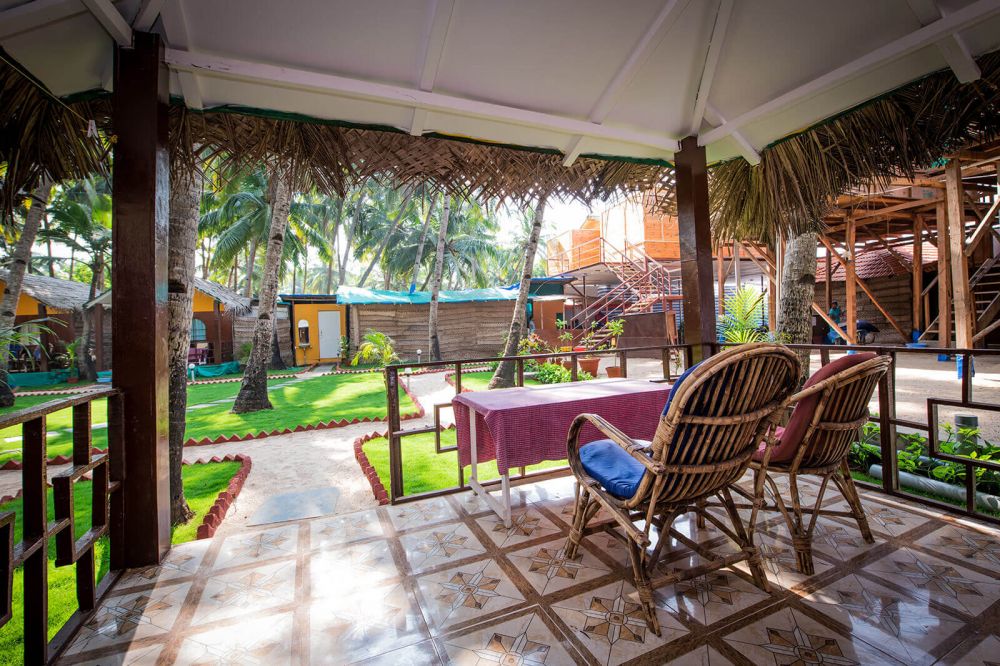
335,251
798,287
385,240
504,375
253,391
420,247
349,240
185,193
434,343
16,268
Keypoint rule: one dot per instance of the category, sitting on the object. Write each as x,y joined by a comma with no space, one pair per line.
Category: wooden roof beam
111,20
952,47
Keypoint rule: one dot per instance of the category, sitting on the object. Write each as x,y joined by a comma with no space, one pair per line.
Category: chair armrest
632,447
818,387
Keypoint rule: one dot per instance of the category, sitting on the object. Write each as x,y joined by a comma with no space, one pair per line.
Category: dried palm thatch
41,135
865,147
335,158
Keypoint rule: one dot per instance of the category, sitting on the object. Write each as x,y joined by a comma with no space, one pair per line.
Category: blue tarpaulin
359,296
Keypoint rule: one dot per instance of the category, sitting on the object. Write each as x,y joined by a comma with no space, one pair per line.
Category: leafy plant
345,345
244,352
616,327
742,318
72,354
377,348
556,373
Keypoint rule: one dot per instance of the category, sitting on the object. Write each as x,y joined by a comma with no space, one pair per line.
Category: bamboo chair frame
702,445
841,409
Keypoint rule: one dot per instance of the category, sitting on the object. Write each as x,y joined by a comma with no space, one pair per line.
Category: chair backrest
840,409
718,414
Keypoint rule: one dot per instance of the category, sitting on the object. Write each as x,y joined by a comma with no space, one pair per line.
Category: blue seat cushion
617,471
673,389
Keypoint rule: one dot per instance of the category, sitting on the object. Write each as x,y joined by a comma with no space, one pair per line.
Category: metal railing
672,357
32,551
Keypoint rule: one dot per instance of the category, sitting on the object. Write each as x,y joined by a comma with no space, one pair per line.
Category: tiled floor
443,581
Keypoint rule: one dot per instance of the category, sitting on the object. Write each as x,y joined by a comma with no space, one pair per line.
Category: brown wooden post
918,272
721,280
43,363
965,307
139,275
694,230
34,519
772,298
97,312
217,352
851,284
828,290
736,264
944,278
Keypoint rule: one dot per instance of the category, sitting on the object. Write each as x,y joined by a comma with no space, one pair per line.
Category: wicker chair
828,412
716,414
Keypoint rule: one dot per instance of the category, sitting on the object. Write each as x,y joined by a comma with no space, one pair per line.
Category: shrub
554,373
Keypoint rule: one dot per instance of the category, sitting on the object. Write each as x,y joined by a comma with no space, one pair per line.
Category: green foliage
555,373
741,322
616,327
376,348
532,344
243,354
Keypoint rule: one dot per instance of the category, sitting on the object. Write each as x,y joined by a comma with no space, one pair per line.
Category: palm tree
504,375
434,343
388,212
798,287
185,195
19,260
420,246
81,216
253,391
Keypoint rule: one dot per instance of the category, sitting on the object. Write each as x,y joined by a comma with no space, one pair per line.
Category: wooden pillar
43,363
738,276
828,287
139,297
720,265
97,312
944,278
918,273
965,306
851,283
694,229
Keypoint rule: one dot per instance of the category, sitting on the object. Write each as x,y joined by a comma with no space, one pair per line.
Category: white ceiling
580,76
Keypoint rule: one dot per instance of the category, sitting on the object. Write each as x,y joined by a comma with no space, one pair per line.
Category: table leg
500,507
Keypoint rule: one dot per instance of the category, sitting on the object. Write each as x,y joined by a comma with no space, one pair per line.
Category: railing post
34,522
395,452
574,372
623,363
116,473
520,372
458,378
887,431
665,361
967,370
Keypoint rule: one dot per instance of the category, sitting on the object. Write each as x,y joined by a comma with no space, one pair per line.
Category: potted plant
615,327
566,343
71,356
588,363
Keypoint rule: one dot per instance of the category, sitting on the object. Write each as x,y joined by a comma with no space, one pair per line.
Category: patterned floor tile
610,623
368,622
474,504
706,655
524,640
789,637
348,528
133,656
780,563
977,548
264,642
246,591
548,569
252,547
526,524
420,514
418,654
897,623
352,568
710,597
839,541
932,579
983,653
446,543
466,592
886,518
182,561
125,618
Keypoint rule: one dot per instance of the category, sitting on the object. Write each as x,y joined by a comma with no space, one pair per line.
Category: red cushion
791,435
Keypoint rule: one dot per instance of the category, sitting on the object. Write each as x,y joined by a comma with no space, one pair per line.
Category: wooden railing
671,357
32,551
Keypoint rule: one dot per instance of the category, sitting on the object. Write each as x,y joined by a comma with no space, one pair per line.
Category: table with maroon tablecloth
525,426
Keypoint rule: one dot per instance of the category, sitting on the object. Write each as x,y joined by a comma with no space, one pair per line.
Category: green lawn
238,375
202,484
305,402
479,381
424,469
61,386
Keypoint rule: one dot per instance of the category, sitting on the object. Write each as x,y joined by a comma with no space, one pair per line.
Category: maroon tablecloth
525,426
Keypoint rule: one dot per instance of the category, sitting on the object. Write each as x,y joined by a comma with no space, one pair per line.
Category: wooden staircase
985,286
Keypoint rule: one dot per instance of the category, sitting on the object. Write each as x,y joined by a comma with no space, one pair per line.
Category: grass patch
304,402
202,484
424,469
61,386
309,401
480,380
237,375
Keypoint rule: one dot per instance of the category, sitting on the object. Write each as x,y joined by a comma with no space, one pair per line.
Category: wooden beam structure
944,279
962,299
141,183
917,278
851,281
694,231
